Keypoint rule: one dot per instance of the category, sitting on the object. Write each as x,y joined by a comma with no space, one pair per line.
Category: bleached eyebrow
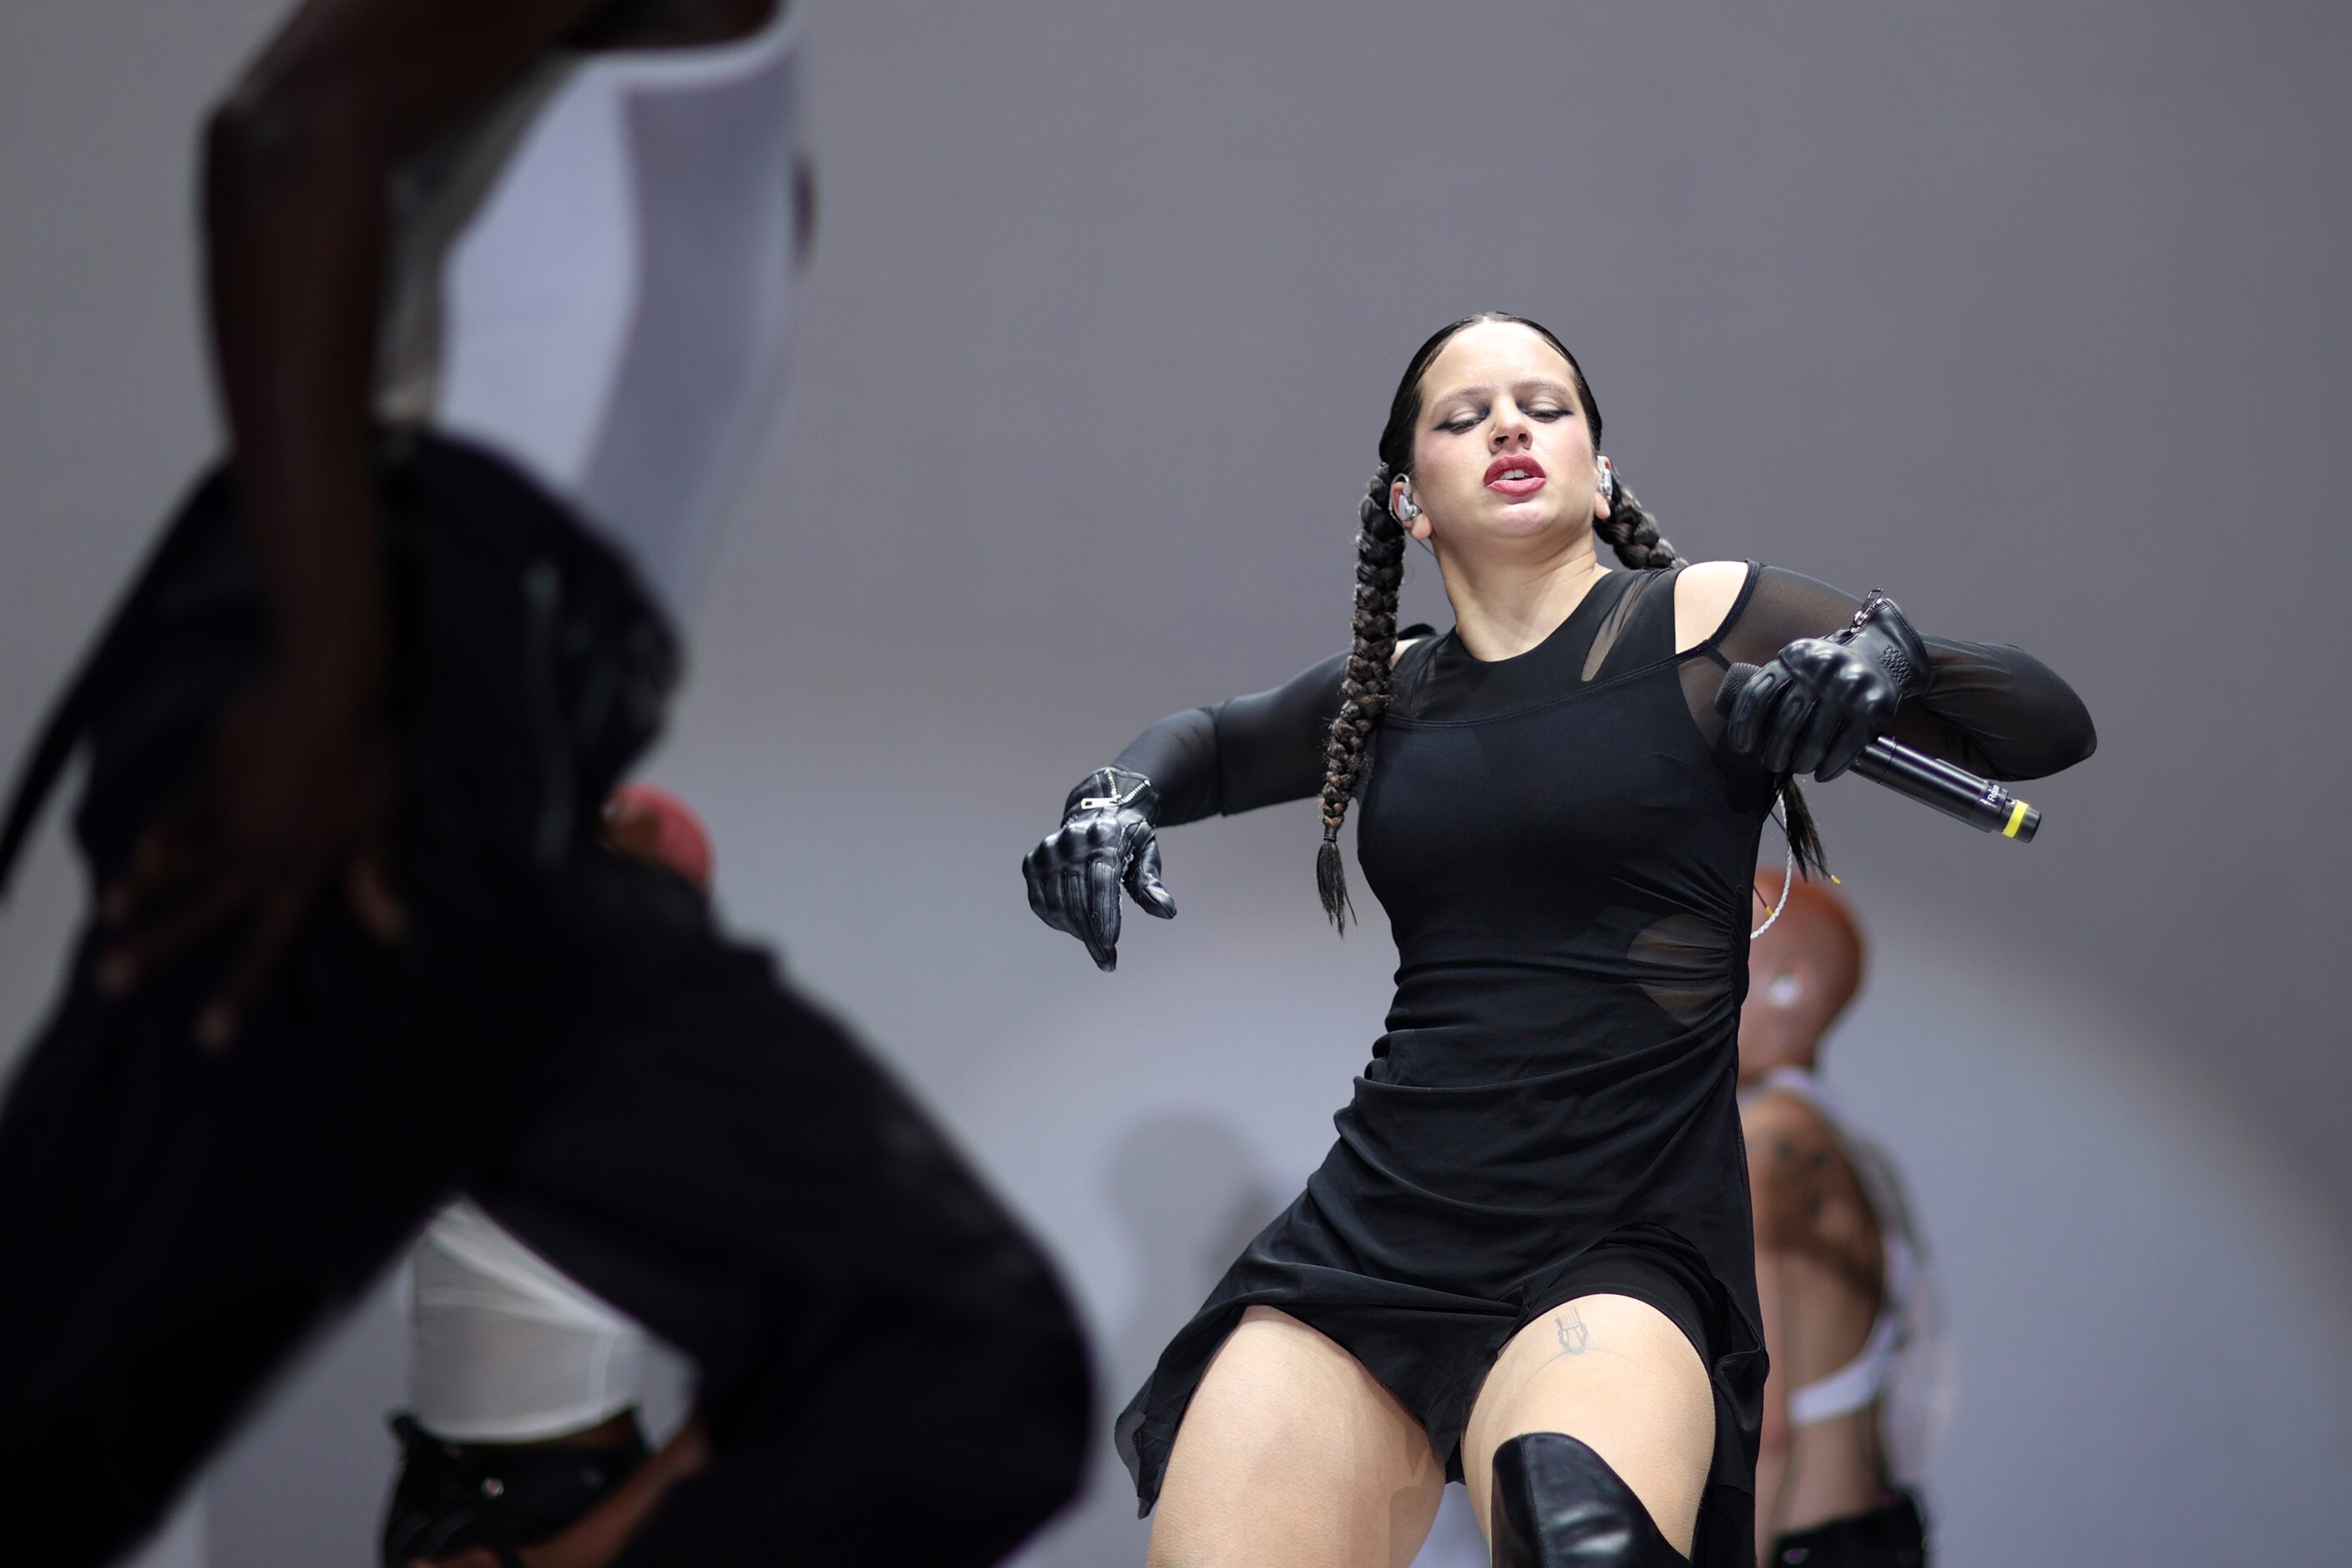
1486,389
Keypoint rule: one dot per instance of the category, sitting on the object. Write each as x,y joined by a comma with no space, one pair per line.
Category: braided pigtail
1364,694
1633,534
1804,838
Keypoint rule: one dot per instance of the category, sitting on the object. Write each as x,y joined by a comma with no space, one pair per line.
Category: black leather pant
890,1370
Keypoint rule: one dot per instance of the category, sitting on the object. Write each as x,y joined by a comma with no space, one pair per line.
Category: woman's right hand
1106,842
297,801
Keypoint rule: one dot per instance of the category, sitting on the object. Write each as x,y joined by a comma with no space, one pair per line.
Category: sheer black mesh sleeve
1243,752
1993,709
1246,751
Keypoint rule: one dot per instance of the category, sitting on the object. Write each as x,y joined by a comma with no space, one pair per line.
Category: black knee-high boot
1557,1504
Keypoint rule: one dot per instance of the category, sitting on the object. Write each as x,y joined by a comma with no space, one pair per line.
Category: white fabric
1860,1381
1906,1363
590,278
508,1347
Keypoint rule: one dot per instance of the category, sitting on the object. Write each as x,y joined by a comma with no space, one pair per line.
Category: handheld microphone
1930,781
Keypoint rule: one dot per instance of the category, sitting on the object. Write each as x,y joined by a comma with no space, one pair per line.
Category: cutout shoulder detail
1636,593
1708,597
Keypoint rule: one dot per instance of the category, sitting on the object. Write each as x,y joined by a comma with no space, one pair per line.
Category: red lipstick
1518,475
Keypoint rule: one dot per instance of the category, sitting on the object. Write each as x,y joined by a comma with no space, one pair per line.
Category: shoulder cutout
1703,595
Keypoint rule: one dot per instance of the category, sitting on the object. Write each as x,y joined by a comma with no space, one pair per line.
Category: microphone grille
1735,681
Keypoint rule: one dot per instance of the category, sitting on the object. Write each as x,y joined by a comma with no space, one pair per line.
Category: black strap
64,729
60,733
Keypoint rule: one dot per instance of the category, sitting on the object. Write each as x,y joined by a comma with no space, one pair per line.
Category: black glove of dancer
1822,700
1105,841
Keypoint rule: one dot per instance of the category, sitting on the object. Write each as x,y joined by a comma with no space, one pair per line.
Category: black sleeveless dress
1566,852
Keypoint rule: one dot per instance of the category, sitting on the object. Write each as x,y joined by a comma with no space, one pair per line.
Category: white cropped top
508,1347
591,278
1857,1385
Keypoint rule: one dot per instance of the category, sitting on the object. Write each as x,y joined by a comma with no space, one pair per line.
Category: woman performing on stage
1526,1263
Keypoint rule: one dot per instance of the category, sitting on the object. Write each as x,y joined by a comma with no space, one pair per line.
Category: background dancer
525,1442
359,947
1528,1261
1840,1271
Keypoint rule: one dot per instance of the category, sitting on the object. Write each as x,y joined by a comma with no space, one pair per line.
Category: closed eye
1461,423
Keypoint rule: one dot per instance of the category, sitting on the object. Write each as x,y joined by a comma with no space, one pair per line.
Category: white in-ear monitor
1401,505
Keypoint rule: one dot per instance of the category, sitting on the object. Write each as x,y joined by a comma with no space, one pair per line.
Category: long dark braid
1364,693
1629,530
1632,532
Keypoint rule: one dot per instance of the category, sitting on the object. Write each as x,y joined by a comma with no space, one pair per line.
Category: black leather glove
1816,705
1106,840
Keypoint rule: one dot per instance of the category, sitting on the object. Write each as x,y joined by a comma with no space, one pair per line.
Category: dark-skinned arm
297,161
299,792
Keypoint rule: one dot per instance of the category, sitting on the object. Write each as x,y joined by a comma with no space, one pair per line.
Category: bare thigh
1616,1374
1293,1456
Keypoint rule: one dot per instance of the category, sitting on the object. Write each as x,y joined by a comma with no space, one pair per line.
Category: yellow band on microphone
2016,817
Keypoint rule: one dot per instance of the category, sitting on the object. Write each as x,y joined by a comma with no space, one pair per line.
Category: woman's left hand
1813,707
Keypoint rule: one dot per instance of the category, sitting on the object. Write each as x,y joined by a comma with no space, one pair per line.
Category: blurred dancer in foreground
525,1443
1858,1387
497,295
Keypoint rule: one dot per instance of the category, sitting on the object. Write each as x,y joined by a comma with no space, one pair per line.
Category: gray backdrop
2033,316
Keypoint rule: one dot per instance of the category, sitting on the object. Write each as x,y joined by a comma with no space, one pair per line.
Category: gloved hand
1106,840
1815,705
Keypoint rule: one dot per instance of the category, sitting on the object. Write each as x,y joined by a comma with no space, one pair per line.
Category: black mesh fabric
1992,709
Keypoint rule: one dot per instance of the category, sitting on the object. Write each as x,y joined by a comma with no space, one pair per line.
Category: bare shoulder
1401,647
1777,1113
1793,1162
400,71
1703,595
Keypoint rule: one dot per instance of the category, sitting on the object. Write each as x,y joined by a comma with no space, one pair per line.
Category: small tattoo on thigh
1575,1337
